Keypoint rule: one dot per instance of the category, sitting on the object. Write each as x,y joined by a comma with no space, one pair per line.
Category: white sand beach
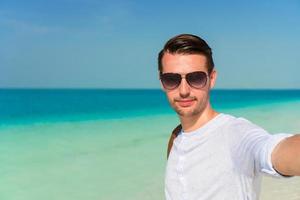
280,189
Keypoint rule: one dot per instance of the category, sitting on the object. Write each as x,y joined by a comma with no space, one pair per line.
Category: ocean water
111,144
38,105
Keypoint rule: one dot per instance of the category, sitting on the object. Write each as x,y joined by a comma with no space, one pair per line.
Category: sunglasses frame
183,76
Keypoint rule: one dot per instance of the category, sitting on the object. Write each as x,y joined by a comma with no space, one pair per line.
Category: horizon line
101,88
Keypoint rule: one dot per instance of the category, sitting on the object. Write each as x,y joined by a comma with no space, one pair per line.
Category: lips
185,103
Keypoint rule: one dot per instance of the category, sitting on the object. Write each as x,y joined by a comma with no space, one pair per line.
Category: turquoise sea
20,106
75,144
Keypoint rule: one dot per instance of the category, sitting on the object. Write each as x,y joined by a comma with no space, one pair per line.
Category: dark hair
187,44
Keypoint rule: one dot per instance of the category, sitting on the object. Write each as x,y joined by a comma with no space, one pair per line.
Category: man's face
186,100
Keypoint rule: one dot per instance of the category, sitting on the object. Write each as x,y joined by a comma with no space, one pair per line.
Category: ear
213,78
161,85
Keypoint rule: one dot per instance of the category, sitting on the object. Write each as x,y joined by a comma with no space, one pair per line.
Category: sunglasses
171,81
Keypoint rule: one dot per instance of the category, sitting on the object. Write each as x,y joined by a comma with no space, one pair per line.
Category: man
214,156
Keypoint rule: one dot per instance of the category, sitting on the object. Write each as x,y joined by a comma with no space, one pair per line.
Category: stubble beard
191,112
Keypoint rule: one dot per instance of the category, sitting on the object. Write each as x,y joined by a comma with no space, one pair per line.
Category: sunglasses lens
197,79
170,80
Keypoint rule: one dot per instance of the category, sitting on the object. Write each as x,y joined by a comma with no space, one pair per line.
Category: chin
186,113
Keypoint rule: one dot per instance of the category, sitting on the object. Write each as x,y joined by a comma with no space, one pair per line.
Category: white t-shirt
222,160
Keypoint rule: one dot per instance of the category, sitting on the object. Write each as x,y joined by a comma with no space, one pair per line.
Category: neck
191,123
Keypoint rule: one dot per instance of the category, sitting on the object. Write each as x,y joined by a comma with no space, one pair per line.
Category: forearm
286,156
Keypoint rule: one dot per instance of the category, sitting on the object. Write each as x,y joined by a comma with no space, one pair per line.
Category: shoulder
241,127
239,123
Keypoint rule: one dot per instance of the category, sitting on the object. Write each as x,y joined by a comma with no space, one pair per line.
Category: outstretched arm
286,156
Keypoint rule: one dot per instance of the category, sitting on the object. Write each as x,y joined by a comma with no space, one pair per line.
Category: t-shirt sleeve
258,146
263,154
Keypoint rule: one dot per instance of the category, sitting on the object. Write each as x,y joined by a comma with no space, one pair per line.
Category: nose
184,88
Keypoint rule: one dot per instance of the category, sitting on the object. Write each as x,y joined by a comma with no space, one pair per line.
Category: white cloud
24,26
114,15
11,23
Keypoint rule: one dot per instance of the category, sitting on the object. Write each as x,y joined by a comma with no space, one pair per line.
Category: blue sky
114,44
